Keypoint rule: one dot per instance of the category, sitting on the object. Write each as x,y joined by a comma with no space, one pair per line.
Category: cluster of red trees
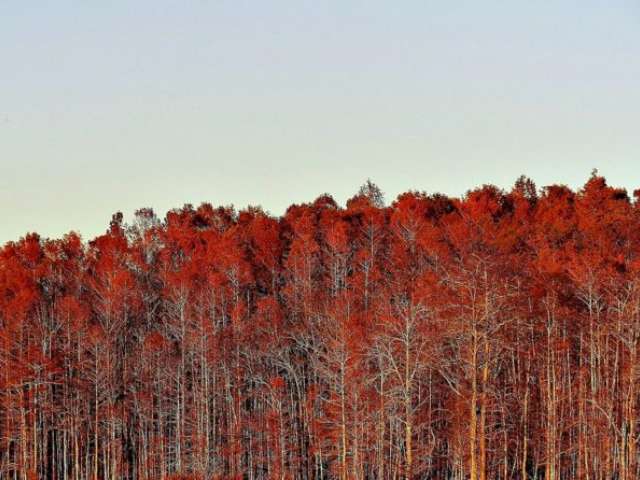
489,337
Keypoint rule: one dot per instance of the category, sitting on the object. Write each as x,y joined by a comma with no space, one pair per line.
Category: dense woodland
493,336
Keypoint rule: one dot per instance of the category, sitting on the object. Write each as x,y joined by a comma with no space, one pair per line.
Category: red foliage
490,336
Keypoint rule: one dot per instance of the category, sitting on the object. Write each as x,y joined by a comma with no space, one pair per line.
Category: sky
113,106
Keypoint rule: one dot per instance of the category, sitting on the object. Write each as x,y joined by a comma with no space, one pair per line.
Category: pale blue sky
116,105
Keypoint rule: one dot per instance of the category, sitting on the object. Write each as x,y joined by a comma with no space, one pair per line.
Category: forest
491,336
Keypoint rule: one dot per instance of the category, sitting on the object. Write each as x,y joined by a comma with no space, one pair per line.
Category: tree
494,335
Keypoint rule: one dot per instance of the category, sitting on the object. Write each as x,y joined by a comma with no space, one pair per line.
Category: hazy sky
116,105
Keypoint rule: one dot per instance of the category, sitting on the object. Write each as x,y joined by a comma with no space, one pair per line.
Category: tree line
493,336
